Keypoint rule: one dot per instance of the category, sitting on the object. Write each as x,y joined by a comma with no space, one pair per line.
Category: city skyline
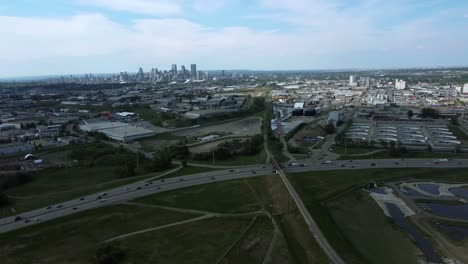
80,36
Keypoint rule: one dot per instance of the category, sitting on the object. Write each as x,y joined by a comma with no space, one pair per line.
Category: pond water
448,210
457,233
460,192
411,192
421,242
430,188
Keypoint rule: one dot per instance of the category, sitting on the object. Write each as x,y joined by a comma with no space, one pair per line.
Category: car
350,161
59,206
37,219
163,180
27,221
139,188
74,208
99,197
126,189
181,179
82,198
159,188
212,178
17,218
396,163
301,165
231,170
352,167
147,184
342,165
103,200
253,172
49,207
372,164
103,194
263,167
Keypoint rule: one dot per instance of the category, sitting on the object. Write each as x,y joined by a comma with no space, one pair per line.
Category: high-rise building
368,82
182,71
199,75
193,71
400,84
352,79
174,69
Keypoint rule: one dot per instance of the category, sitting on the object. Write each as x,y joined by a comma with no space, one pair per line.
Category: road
136,190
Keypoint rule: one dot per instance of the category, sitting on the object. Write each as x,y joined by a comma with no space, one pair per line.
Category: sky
51,37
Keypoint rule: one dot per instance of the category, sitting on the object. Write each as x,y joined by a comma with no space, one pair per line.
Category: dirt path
158,228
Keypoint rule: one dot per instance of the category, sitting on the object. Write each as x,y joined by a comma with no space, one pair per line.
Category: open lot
245,127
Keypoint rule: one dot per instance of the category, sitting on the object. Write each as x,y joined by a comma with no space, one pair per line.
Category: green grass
238,160
74,239
254,244
315,188
197,242
58,185
361,219
460,134
148,115
225,197
352,150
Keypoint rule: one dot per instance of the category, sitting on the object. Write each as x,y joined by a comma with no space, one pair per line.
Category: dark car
212,178
27,221
253,172
49,207
139,188
372,164
59,206
74,208
82,198
17,218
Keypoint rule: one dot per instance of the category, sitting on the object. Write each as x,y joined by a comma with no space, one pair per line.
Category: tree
429,112
330,128
4,200
162,160
410,113
110,254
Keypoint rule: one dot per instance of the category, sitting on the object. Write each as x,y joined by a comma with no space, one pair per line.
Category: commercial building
119,131
334,117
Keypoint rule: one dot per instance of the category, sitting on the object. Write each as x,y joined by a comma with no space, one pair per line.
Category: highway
144,188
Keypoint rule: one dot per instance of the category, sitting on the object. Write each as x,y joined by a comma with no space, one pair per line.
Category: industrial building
119,131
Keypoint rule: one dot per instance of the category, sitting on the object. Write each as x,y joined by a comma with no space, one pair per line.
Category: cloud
208,6
148,7
318,34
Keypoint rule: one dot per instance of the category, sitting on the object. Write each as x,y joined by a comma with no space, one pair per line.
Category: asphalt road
144,188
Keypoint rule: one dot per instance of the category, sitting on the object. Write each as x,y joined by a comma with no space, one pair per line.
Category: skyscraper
352,79
174,70
182,71
193,71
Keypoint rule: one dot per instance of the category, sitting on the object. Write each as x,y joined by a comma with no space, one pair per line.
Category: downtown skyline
80,36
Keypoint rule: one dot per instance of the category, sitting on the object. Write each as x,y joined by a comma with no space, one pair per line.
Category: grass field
238,160
197,242
370,232
74,239
223,197
315,188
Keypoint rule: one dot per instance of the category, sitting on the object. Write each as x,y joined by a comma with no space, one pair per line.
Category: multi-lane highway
144,188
